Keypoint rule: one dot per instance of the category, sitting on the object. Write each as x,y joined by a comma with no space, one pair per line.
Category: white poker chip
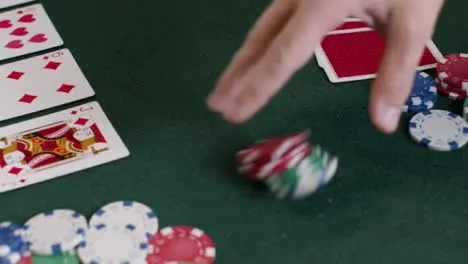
439,130
113,245
127,213
55,231
311,179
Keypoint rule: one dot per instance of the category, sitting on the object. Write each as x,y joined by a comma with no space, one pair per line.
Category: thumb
396,74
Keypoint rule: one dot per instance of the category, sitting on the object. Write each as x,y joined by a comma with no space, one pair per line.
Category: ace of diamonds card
40,83
26,30
57,144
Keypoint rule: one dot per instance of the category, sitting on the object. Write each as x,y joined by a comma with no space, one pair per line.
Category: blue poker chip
423,95
13,245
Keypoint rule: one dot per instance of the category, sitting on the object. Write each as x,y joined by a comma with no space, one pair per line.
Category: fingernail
388,117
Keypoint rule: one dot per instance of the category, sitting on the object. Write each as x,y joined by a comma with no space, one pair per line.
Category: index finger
291,49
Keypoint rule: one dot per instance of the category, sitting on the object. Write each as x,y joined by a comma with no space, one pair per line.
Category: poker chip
25,260
55,231
181,243
289,160
465,110
127,213
452,93
270,149
310,175
453,69
447,86
423,95
439,130
113,245
13,246
55,259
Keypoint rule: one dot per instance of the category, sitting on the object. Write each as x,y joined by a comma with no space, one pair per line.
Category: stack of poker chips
289,165
118,232
13,246
452,76
423,95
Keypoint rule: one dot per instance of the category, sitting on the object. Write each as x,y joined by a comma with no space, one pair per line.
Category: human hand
286,34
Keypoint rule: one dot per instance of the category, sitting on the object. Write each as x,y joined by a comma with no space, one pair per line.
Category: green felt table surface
152,64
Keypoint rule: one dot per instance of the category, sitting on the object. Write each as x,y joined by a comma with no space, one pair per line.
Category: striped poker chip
26,260
13,246
112,244
127,213
306,178
270,149
55,231
452,93
423,94
274,167
453,69
181,244
439,130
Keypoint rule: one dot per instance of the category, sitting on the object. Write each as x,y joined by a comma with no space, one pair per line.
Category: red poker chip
181,243
451,92
451,88
453,70
275,167
270,149
25,260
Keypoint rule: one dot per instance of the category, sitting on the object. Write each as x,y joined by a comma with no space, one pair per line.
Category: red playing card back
351,25
359,53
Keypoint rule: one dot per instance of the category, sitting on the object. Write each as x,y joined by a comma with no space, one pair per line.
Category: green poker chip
64,258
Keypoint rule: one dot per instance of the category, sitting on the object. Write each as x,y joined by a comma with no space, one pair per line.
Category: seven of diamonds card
40,83
55,145
26,30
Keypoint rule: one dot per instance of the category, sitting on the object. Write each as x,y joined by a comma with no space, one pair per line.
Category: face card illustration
26,30
56,145
40,83
357,55
8,3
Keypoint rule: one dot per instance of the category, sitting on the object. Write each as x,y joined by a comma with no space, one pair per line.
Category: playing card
26,30
57,144
8,3
40,83
348,26
351,25
356,55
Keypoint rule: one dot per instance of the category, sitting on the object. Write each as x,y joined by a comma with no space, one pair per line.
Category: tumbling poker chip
453,69
13,246
127,213
289,160
270,149
306,178
55,231
181,244
113,245
439,130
